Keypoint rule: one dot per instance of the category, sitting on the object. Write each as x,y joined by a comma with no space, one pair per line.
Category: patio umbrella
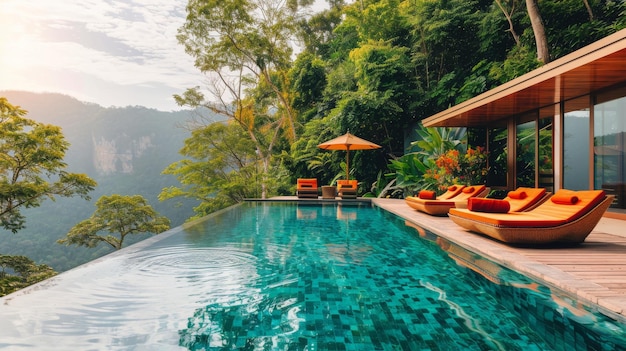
348,142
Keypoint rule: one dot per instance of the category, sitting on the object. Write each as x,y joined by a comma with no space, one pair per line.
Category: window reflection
497,157
609,139
545,161
576,146
525,157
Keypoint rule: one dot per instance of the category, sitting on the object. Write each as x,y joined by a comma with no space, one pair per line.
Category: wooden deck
593,273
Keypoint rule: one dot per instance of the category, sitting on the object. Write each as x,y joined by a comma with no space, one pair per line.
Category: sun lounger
416,202
307,188
440,207
431,195
567,217
347,189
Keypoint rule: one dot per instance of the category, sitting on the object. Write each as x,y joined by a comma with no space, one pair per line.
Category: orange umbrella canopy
348,142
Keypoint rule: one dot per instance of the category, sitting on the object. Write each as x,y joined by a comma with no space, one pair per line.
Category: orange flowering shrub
454,167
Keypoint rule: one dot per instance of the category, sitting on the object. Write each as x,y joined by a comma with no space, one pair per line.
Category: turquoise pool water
282,276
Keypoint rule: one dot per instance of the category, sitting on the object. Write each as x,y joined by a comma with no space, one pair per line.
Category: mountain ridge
124,149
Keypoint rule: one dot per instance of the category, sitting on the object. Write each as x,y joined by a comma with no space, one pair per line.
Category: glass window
608,144
525,157
576,148
497,147
545,160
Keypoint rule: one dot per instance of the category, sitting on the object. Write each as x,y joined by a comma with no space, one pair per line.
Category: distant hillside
123,149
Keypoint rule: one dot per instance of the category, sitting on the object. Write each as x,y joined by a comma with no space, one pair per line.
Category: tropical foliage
442,158
32,169
455,167
372,67
221,167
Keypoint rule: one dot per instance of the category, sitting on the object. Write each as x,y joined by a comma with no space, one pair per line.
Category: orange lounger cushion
479,204
523,199
468,192
451,192
427,195
518,194
564,199
345,184
347,188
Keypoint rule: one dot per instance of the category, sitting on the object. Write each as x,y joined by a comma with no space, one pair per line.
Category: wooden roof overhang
592,68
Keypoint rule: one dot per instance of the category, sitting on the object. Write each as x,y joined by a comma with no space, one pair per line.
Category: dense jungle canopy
373,68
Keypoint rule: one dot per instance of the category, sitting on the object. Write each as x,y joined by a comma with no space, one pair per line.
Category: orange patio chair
307,188
347,189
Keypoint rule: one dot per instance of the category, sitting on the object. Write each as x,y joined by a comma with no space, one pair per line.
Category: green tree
219,169
509,8
582,25
445,46
17,272
371,87
116,214
31,170
381,107
245,47
390,62
307,80
318,31
32,167
306,160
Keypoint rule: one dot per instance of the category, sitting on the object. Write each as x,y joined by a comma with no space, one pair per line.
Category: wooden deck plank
601,260
601,267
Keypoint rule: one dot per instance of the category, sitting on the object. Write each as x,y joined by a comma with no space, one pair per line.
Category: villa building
562,125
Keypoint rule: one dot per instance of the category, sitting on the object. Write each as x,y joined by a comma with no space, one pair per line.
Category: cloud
76,46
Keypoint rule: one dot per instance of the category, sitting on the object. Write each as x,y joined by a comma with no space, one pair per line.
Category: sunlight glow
112,53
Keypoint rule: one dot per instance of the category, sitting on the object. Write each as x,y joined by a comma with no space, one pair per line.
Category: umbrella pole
348,163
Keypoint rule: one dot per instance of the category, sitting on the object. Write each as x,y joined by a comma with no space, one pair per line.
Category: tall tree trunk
541,40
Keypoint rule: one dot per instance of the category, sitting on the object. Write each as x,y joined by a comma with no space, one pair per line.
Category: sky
109,52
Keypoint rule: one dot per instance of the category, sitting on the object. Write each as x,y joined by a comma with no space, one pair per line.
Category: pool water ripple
185,260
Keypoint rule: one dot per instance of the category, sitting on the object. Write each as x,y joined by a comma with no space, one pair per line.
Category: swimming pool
293,276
